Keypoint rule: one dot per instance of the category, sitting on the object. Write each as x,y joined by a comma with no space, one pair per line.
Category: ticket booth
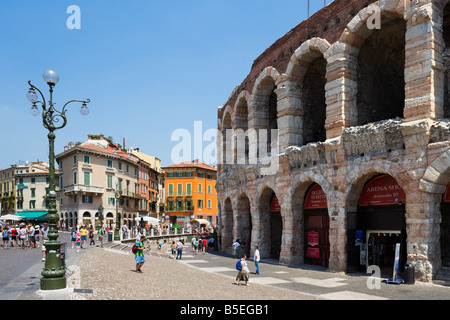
377,226
316,227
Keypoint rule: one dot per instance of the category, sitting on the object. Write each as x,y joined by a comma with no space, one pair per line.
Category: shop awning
33,215
201,221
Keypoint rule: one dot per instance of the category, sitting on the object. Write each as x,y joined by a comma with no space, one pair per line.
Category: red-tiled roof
190,164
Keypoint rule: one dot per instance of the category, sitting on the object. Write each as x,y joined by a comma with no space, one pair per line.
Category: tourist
236,246
179,247
243,272
139,254
256,259
195,245
31,236
78,240
73,234
91,236
14,234
23,236
173,249
5,237
44,236
205,243
100,234
83,233
36,235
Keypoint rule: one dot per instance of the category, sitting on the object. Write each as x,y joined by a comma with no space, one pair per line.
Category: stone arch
263,107
436,175
380,76
306,72
270,224
226,136
240,127
244,219
227,224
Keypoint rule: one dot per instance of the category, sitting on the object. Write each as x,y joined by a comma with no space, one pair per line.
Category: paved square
349,295
324,283
266,280
217,269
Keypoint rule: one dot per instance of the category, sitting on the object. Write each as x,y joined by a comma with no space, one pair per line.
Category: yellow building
190,192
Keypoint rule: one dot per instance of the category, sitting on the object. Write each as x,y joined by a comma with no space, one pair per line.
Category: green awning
33,215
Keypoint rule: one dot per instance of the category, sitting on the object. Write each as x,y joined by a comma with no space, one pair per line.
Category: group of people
79,236
200,244
24,236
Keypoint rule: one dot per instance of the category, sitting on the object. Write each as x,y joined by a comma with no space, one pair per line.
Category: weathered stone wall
410,141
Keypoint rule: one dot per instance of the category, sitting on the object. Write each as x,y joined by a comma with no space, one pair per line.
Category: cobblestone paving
111,275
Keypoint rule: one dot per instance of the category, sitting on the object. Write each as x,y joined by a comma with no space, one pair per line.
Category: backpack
134,248
238,265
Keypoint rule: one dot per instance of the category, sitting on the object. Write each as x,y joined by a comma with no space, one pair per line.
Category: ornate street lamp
53,273
117,194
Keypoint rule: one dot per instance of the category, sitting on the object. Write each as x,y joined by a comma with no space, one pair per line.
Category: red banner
316,198
313,238
382,190
313,252
275,206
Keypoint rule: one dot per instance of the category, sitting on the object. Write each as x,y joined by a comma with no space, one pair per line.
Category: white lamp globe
32,96
51,77
84,110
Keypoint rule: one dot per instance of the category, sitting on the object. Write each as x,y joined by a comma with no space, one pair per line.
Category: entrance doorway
317,225
276,227
377,226
380,249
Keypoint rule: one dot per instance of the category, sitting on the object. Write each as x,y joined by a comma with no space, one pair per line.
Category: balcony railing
76,188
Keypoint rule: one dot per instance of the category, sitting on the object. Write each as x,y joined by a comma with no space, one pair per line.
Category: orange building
190,192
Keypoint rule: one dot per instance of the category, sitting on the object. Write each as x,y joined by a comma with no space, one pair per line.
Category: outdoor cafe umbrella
11,217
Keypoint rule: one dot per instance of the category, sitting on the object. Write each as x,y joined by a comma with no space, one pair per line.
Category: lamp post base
53,283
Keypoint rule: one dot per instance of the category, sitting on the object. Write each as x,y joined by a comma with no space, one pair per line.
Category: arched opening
241,140
244,222
377,226
86,218
266,115
446,58
227,232
316,227
445,230
381,83
271,225
226,138
314,105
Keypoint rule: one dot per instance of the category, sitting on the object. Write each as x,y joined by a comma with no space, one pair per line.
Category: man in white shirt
256,259
243,273
237,250
179,247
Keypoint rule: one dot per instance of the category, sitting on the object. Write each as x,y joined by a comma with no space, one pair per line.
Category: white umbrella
12,217
151,220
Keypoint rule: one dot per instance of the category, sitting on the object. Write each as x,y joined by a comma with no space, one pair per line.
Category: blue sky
149,67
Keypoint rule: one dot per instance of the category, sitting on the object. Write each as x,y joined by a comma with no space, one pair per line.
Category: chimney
124,143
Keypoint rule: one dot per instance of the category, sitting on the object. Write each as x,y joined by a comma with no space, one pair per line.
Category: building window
170,189
209,189
189,189
74,159
75,177
87,199
199,187
209,204
200,203
189,174
33,192
180,189
112,201
120,184
109,182
109,163
169,174
87,178
33,180
86,159
32,204
120,166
